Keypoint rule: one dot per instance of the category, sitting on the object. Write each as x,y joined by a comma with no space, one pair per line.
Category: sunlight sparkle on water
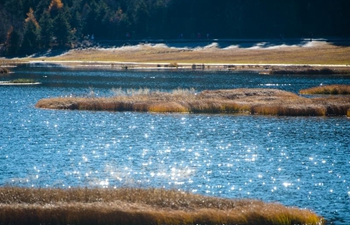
268,158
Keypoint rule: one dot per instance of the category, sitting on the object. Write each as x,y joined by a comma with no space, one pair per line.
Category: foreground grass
249,101
337,89
139,206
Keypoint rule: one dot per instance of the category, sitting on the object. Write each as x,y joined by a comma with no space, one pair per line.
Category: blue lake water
297,161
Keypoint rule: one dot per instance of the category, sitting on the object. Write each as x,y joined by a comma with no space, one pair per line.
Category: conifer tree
141,17
46,29
13,41
62,28
31,34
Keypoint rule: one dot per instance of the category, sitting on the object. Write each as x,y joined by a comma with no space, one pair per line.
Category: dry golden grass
320,53
336,89
249,101
139,206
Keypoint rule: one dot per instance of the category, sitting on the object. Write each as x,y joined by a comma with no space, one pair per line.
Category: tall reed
250,101
139,206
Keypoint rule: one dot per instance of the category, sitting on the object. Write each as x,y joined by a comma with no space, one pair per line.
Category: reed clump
247,101
139,206
4,70
336,89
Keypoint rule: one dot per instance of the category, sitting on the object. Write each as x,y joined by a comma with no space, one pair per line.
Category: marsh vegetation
139,206
246,101
336,89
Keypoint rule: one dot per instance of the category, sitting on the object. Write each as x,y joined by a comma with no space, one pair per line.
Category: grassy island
248,101
139,206
19,82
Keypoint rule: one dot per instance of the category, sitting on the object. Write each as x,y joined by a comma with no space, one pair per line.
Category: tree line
27,26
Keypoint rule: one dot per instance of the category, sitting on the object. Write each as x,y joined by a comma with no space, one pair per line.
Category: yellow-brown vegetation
31,18
320,53
336,89
139,206
55,5
248,101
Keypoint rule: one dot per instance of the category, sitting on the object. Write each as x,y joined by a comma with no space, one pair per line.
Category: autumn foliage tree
55,6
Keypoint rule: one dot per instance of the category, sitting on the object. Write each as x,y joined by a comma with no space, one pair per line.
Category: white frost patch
282,46
213,45
139,47
231,47
311,44
258,46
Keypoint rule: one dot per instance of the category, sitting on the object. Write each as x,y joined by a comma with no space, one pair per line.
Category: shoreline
315,57
262,68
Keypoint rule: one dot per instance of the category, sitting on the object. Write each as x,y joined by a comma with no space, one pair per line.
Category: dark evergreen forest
27,26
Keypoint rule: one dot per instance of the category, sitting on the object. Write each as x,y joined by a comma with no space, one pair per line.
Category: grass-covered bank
248,101
309,53
336,89
139,206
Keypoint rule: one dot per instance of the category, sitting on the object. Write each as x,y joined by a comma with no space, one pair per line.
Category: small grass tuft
173,64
